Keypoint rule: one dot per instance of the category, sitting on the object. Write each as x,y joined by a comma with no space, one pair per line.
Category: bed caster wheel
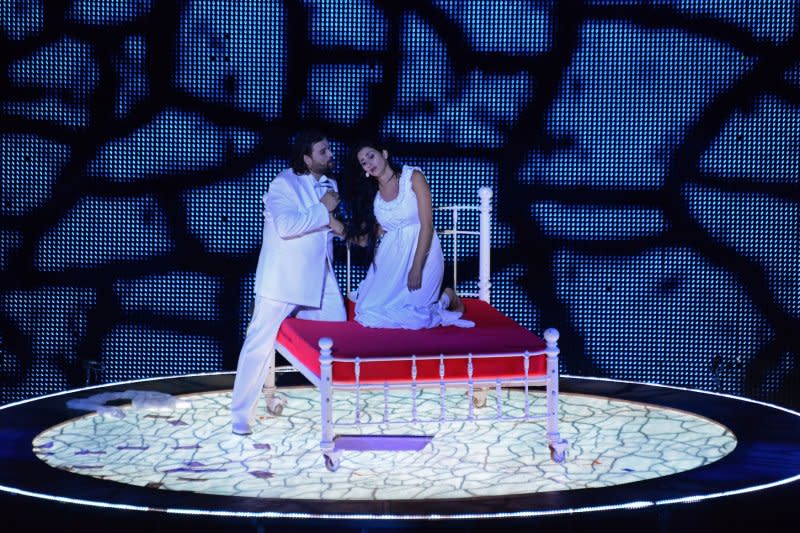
557,457
275,405
332,461
558,451
479,399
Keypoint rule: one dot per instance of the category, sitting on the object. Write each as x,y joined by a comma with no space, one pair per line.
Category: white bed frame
333,445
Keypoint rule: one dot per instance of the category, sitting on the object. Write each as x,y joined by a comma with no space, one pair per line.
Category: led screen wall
645,159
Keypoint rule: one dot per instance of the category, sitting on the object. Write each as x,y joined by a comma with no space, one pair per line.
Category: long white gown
383,299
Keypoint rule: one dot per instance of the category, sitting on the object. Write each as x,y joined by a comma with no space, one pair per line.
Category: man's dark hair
302,145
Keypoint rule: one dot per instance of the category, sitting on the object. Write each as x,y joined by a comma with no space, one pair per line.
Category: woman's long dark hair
359,195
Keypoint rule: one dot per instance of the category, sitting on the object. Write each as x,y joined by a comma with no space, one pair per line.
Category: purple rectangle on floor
412,443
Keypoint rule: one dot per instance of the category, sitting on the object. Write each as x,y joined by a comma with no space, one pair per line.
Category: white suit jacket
297,243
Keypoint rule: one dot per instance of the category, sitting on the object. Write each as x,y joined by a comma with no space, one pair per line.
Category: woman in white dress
403,285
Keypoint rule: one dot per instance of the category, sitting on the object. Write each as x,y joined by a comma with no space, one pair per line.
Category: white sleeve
292,219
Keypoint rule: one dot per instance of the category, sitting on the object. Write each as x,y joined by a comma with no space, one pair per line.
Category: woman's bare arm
425,208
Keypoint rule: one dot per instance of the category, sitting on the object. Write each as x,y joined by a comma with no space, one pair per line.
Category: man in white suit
294,276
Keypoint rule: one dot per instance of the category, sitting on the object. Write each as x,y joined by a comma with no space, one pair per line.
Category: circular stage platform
634,449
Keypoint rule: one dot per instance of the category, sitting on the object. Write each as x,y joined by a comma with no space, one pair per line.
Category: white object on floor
140,400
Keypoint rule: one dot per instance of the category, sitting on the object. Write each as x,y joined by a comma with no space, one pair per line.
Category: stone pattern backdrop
645,158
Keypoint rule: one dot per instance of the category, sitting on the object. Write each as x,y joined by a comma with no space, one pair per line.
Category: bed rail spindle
413,388
470,388
527,365
347,277
357,371
498,398
441,388
385,401
455,250
484,250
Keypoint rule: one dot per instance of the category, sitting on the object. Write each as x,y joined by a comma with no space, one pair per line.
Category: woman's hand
414,279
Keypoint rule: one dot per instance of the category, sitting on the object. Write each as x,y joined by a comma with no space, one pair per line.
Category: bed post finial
558,446
326,343
484,250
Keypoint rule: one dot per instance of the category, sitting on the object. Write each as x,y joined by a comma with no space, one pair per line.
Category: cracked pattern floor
611,442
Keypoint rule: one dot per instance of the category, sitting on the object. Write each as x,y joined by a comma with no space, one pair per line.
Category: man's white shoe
241,429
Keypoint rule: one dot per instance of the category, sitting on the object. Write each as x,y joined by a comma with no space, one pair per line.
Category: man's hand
330,200
336,226
414,279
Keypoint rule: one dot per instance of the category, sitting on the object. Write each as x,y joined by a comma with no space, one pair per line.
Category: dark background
645,159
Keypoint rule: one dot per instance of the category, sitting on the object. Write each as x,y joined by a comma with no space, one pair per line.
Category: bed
496,353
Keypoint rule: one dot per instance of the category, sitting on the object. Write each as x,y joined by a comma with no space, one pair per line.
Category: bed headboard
454,231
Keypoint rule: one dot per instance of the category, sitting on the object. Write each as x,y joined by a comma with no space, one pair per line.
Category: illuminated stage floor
192,449
632,447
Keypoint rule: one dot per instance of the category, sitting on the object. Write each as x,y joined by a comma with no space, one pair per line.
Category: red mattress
494,333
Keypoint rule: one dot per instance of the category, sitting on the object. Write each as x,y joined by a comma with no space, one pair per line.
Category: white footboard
332,445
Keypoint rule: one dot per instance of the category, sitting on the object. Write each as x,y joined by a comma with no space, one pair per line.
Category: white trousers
256,367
